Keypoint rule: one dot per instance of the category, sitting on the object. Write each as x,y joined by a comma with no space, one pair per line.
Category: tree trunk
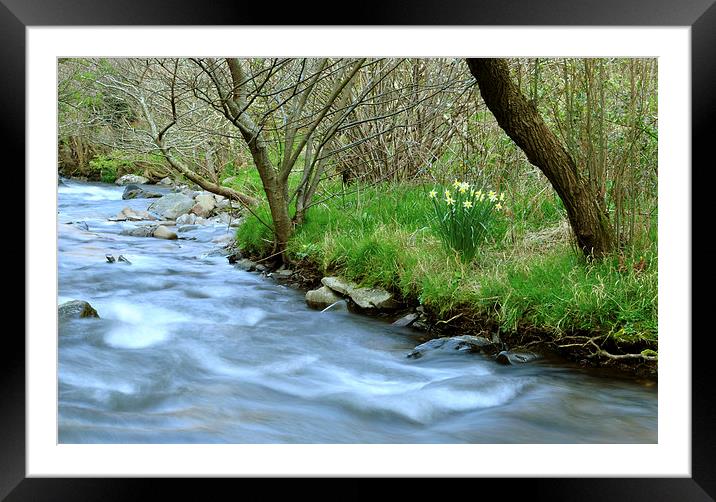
521,121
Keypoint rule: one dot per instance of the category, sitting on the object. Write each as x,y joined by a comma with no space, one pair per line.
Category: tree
519,118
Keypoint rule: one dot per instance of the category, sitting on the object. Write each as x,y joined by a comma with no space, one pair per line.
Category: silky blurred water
189,349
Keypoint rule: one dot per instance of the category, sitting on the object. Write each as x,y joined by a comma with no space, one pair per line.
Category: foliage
464,216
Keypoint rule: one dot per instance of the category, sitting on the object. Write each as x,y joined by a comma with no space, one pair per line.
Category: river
190,349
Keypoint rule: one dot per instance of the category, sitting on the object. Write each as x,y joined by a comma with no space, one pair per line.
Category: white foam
136,337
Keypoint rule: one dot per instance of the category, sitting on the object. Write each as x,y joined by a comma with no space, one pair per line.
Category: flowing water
189,349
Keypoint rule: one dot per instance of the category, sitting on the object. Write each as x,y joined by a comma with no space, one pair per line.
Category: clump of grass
465,216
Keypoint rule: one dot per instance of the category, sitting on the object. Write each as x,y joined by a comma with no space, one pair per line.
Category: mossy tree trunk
522,122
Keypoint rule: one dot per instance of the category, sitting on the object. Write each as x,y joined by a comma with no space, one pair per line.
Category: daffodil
449,200
502,196
447,194
467,204
492,195
464,186
498,206
433,194
456,184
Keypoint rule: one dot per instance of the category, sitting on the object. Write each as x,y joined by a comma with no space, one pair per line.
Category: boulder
75,309
365,298
172,205
508,357
205,204
166,181
129,179
462,343
135,192
130,214
162,232
321,298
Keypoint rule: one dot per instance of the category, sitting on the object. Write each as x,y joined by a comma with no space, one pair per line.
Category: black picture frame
700,15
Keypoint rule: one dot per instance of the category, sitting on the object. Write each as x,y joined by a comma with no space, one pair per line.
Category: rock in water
166,181
509,357
129,179
75,309
407,320
134,192
462,343
132,215
172,205
110,258
321,298
163,232
143,231
205,204
122,259
365,298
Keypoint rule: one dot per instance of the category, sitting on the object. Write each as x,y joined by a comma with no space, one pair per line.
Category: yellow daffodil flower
467,204
498,206
492,195
464,186
502,196
447,194
449,200
433,194
456,184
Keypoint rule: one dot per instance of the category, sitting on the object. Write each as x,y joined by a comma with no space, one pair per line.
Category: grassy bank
527,277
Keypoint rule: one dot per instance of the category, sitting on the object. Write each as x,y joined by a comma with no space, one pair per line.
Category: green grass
385,236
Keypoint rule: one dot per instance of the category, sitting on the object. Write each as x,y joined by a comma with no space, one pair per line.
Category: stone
407,320
186,219
166,181
110,258
204,206
134,192
132,215
162,232
143,231
172,205
321,298
509,357
462,343
76,309
122,259
129,179
365,298
282,273
244,264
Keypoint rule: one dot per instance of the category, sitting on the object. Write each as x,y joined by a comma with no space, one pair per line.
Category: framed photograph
165,75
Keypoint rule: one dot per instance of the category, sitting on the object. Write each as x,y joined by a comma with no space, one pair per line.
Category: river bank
189,348
529,288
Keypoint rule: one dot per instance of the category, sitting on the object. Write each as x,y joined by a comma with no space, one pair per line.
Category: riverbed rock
462,343
132,215
205,204
142,231
162,232
135,192
321,298
172,205
166,181
75,309
129,179
365,298
186,219
243,264
508,357
407,320
226,219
